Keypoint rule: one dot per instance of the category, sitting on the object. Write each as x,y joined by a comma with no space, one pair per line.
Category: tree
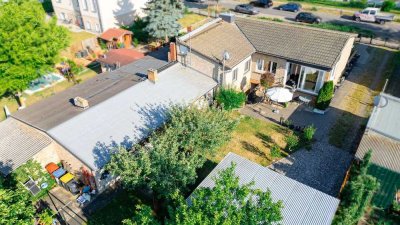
29,44
15,206
325,96
168,162
230,98
226,203
162,18
388,5
357,194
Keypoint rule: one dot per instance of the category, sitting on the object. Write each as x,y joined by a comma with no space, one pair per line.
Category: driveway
390,31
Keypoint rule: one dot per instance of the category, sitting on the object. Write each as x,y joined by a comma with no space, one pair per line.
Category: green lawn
191,19
389,183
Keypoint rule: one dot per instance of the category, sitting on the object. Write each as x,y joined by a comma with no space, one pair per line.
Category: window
221,78
235,74
372,12
311,79
63,16
365,12
97,27
93,6
260,65
247,66
88,26
84,5
58,1
272,67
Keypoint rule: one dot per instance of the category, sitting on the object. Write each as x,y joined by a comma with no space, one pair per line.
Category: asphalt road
389,31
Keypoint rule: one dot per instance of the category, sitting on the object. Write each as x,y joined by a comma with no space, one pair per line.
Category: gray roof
382,134
386,120
302,205
301,44
218,37
18,143
57,109
128,116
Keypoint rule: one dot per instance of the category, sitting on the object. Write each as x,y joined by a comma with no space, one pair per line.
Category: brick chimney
152,75
172,52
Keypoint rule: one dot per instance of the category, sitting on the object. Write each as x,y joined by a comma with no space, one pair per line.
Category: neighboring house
117,38
302,205
123,108
116,58
98,15
382,134
280,53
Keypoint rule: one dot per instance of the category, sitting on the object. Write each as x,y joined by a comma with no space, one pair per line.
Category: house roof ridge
295,25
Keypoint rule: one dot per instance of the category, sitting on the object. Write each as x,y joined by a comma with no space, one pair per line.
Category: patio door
310,79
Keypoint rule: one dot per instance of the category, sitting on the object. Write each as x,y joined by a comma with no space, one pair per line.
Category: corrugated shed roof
19,143
220,37
131,113
57,109
386,118
122,56
302,205
301,44
385,151
382,134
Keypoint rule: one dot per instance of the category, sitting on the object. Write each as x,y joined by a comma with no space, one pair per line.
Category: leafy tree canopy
226,203
162,18
170,159
29,44
230,98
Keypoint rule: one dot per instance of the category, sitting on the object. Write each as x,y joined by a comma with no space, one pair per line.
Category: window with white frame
84,5
88,25
260,65
272,67
235,74
311,79
97,27
247,66
93,6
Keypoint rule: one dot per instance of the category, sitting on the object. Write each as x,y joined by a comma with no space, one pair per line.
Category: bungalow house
123,106
302,205
283,54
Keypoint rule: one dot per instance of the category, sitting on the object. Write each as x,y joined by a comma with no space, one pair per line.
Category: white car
372,15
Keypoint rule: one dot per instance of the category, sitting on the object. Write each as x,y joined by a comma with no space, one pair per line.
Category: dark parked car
292,7
246,8
307,18
262,3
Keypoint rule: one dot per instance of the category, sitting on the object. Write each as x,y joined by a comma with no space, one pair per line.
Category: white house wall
344,57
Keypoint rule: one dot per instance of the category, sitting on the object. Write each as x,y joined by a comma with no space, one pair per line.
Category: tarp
67,178
59,173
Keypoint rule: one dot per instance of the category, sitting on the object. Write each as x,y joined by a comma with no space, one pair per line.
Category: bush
230,99
309,132
275,151
388,5
46,217
292,142
314,8
325,96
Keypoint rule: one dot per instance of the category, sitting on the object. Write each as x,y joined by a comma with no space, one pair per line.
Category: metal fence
379,42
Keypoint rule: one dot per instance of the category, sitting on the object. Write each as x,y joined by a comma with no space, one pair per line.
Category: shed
117,36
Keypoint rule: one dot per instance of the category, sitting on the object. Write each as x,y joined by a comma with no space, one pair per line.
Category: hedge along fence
378,42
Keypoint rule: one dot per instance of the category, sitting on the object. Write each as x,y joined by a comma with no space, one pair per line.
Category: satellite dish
380,101
183,50
226,55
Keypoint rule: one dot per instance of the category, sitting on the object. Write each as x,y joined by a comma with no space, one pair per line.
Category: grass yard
12,104
191,19
76,39
253,139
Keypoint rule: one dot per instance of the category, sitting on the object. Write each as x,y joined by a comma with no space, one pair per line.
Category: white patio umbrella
279,94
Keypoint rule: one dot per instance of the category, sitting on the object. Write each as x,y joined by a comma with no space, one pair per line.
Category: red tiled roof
112,33
123,56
